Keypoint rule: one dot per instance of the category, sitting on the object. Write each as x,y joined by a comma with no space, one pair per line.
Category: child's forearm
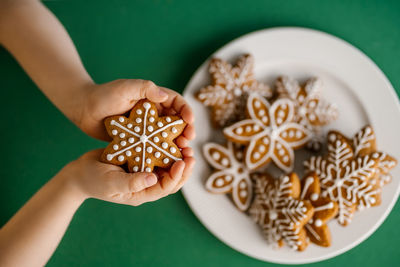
38,41
33,233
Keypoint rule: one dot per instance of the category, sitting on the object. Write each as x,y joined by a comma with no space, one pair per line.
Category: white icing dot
256,127
300,98
373,200
219,182
298,134
304,209
164,134
284,134
172,149
261,112
152,112
318,223
139,111
131,140
121,158
256,155
368,130
278,145
281,113
291,133
312,104
148,160
109,157
228,178
123,143
168,119
150,128
136,129
331,205
148,169
243,194
332,137
257,104
138,149
285,158
225,162
216,156
128,153
114,132
261,148
149,149
242,185
122,135
151,119
135,168
121,119
281,152
265,140
239,130
157,154
264,119
115,147
146,105
312,117
279,120
273,215
129,125
137,159
156,139
160,124
174,130
164,145
112,122
138,120
314,196
248,128
166,160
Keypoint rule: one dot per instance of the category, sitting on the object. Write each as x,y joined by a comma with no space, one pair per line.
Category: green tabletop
166,41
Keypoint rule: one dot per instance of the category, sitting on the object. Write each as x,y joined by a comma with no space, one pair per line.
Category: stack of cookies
263,125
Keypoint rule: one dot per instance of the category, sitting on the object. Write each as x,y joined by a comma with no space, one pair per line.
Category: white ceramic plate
351,80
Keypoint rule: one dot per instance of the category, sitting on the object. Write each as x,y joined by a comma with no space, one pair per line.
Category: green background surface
165,41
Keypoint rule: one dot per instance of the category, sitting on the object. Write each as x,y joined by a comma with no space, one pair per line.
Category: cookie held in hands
144,140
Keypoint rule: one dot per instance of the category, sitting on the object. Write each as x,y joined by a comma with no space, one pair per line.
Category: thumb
148,89
136,182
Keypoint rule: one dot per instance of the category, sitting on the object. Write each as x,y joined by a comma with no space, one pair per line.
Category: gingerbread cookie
269,134
231,175
278,211
324,210
344,177
144,140
312,111
229,89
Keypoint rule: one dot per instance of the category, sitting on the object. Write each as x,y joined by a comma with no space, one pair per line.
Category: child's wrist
68,185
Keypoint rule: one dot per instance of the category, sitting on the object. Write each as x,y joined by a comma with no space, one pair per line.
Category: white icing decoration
114,132
148,160
314,197
109,157
137,159
156,139
138,120
115,147
121,158
128,153
121,119
157,154
172,149
164,145
152,112
318,223
137,129
138,149
166,160
160,124
150,128
139,111
164,134
151,119
135,168
131,140
174,130
234,171
122,135
168,119
129,125
149,149
123,143
148,169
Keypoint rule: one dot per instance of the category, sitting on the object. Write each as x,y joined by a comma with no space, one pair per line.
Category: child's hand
118,97
92,178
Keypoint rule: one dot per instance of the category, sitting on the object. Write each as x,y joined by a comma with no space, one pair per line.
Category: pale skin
40,44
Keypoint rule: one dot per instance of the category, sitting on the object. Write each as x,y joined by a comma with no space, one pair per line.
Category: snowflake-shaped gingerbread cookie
279,212
344,177
229,89
312,111
270,133
324,210
144,140
231,175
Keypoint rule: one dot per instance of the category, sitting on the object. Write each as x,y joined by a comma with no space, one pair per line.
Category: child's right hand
91,178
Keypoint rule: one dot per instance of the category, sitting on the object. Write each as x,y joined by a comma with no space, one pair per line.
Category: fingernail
151,180
162,93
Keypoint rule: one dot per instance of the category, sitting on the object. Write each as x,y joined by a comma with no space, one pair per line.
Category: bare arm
39,42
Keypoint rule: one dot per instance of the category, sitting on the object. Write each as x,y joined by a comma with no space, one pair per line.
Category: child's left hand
119,96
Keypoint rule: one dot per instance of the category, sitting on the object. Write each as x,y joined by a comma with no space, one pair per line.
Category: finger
126,183
187,114
190,162
187,152
189,132
182,142
140,89
166,184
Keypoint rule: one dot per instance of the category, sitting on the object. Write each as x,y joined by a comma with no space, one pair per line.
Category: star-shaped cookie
269,134
344,176
279,212
144,140
231,175
229,89
312,111
324,210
